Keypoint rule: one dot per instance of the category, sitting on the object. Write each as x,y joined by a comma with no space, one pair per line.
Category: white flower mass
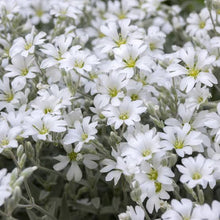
110,109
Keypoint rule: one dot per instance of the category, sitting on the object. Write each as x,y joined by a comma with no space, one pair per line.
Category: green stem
35,206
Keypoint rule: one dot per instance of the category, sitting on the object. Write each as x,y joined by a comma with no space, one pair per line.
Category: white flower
198,96
183,140
55,52
157,193
74,171
126,166
206,211
199,25
8,136
131,213
99,105
197,68
22,68
111,86
41,126
197,171
9,94
40,12
127,112
212,120
155,40
79,60
143,146
5,189
180,210
113,38
81,134
27,46
129,57
67,9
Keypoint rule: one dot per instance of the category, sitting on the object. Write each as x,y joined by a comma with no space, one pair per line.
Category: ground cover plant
109,109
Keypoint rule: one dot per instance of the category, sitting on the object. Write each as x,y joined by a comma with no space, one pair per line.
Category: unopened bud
29,149
28,171
22,160
20,151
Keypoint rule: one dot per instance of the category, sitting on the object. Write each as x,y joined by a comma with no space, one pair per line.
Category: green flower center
84,136
101,35
196,176
47,110
134,97
152,46
112,92
178,144
130,62
153,174
39,12
24,72
28,46
122,15
4,142
79,64
43,130
146,153
201,24
101,116
93,76
158,187
123,116
72,156
9,97
200,99
59,56
193,72
120,41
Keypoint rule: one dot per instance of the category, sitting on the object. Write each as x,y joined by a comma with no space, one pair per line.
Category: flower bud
22,160
20,151
29,149
28,171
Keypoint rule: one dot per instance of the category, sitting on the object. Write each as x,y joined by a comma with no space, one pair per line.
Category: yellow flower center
152,46
153,174
123,116
93,76
79,64
193,72
4,142
9,97
112,92
201,24
134,97
196,176
43,130
122,15
146,153
200,99
120,41
101,116
28,46
178,144
72,156
130,62
24,72
84,136
158,187
39,12
47,110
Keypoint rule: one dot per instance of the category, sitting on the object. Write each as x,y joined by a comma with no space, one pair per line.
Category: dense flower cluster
95,91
